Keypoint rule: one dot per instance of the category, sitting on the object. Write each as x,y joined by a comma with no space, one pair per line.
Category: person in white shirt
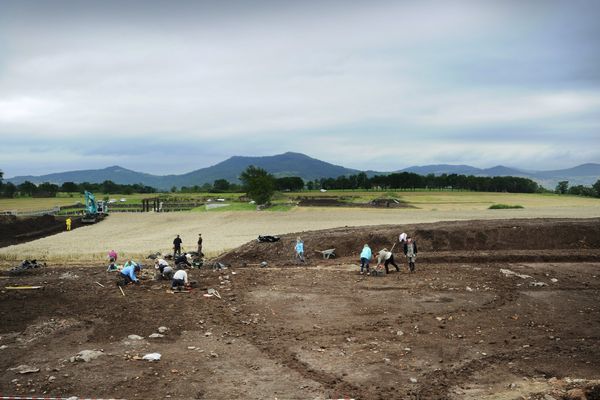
402,238
163,270
180,280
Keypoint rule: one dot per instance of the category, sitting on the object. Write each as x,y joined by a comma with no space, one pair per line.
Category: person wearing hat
127,274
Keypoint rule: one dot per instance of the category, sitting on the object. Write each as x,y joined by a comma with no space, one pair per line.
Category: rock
25,369
576,394
538,284
3,347
468,289
208,334
51,378
134,337
553,280
399,333
162,329
191,347
87,355
548,397
156,335
152,357
413,380
213,354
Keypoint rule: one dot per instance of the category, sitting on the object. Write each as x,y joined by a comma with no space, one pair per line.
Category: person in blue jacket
365,258
127,274
299,249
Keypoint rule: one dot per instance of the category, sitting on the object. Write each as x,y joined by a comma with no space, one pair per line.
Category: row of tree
412,181
46,189
578,190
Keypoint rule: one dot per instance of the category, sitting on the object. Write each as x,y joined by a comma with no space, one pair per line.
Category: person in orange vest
68,221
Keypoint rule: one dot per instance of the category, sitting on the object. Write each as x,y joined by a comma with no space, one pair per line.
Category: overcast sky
172,86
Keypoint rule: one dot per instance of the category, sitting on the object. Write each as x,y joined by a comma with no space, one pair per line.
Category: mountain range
308,168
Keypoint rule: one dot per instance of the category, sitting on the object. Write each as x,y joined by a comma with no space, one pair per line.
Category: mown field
136,235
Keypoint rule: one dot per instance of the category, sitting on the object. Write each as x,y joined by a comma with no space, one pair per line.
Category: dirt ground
461,327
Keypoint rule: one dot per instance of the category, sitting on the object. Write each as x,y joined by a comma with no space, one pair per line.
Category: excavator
94,210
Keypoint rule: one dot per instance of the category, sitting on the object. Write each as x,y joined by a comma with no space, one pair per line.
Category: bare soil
15,230
458,328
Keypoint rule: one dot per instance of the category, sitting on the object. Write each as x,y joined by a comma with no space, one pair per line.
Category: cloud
120,83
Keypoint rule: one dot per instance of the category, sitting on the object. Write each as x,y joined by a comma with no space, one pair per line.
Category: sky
167,87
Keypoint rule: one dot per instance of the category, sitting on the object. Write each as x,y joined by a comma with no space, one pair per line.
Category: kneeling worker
127,274
163,270
180,280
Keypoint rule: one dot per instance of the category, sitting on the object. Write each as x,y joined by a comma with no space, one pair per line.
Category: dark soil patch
15,230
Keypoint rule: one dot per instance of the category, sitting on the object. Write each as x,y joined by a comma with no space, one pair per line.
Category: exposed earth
496,310
15,230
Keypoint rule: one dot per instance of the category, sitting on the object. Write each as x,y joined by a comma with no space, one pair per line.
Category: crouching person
128,274
163,270
180,280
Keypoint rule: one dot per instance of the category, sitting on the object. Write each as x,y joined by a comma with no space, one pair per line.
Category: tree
221,185
258,184
69,187
9,189
173,189
27,188
596,187
47,189
562,187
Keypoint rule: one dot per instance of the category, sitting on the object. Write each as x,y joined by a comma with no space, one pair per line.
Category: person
402,238
180,280
387,258
200,245
112,266
182,261
68,222
163,270
410,251
299,249
177,246
365,258
127,274
112,256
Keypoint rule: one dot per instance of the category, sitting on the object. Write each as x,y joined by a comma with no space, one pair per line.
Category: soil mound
510,236
15,230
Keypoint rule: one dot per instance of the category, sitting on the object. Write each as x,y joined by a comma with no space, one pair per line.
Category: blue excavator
94,210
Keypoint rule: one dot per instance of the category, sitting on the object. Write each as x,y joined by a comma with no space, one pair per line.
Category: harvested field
459,328
137,235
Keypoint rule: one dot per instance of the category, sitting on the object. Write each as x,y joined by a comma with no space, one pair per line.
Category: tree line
47,189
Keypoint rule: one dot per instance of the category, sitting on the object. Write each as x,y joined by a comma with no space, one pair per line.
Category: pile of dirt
340,202
15,230
508,236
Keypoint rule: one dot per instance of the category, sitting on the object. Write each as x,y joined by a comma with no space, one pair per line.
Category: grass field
137,235
429,200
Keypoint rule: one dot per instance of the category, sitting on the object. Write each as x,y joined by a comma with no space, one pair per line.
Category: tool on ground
121,289
327,254
22,287
99,284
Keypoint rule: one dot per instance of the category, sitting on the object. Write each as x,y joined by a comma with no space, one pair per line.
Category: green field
428,200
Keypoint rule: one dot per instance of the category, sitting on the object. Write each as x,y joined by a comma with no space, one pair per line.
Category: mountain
287,164
308,168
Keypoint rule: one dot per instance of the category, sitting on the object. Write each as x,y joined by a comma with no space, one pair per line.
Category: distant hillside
296,164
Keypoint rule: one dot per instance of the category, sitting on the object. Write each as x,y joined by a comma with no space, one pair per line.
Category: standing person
299,249
177,246
180,280
387,258
127,274
200,245
410,251
68,222
365,258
